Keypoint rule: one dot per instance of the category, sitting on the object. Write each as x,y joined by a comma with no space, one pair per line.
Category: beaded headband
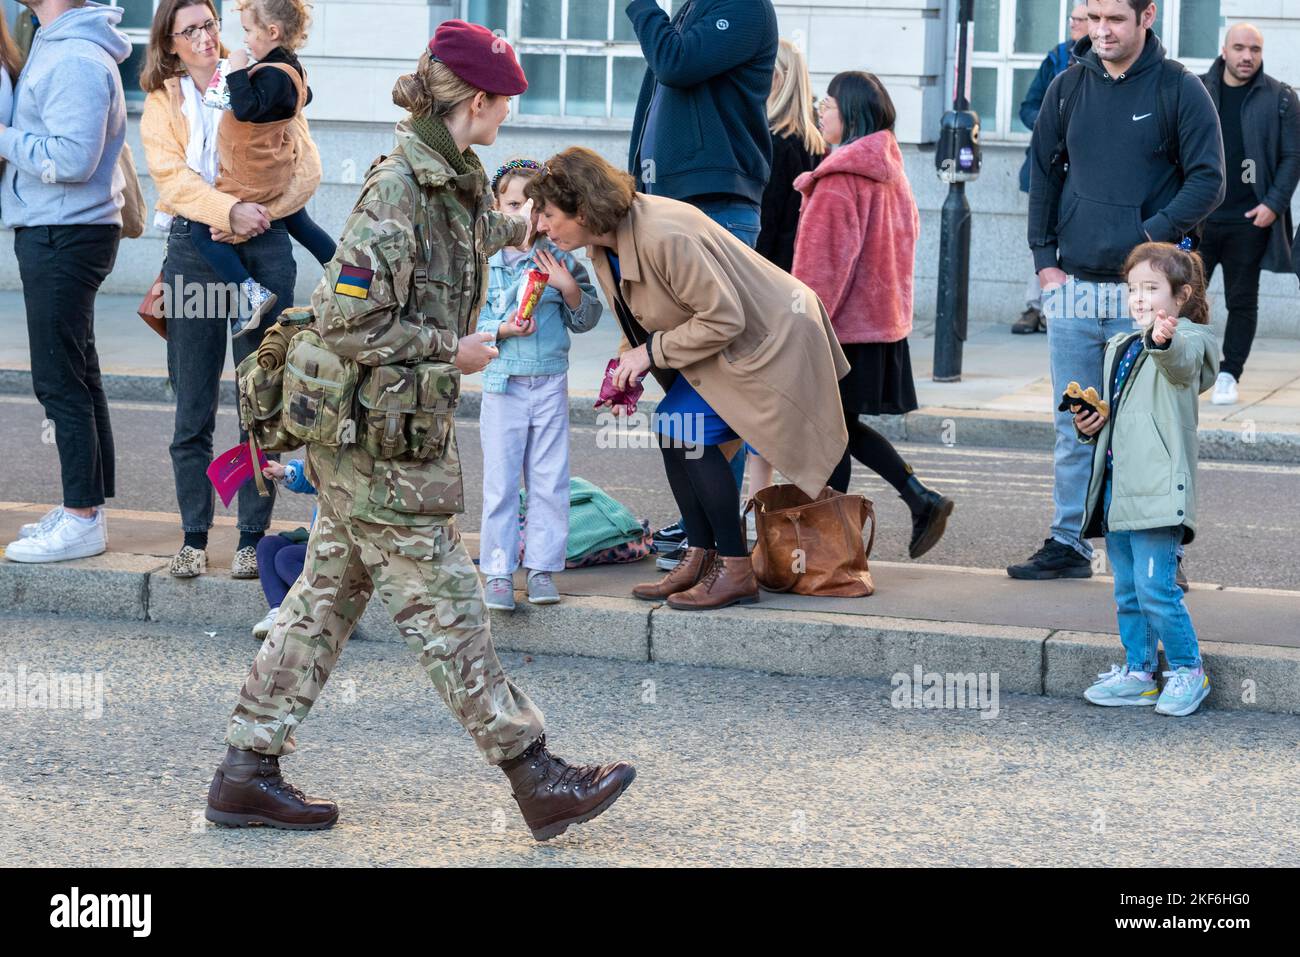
514,165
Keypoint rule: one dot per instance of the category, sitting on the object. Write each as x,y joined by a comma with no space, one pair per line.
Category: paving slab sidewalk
1004,398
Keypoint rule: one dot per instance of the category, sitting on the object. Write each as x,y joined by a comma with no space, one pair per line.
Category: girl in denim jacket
524,418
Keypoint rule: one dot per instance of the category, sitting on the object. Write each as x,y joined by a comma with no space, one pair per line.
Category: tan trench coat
755,342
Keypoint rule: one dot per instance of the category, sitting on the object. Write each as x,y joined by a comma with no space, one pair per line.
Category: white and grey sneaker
189,562
257,301
499,593
1225,390
263,627
541,589
47,521
244,564
67,538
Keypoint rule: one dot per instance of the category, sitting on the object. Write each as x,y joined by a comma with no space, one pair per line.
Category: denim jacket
546,351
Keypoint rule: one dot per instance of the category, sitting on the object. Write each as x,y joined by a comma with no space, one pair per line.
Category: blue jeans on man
1081,318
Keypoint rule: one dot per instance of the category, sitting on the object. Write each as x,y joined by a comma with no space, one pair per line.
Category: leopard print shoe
189,562
245,563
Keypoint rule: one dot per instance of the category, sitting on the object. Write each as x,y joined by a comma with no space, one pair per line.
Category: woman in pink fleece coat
856,248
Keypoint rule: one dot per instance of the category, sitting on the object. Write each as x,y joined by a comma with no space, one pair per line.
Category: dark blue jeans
197,340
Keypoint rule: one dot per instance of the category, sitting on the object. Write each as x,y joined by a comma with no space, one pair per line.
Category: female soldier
398,299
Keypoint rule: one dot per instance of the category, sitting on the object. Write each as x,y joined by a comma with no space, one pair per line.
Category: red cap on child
479,57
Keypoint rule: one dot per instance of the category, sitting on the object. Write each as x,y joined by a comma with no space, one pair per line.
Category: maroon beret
479,57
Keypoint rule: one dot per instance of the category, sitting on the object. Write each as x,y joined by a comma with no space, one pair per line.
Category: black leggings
874,451
701,481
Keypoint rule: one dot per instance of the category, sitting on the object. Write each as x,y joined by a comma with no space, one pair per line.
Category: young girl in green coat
1142,494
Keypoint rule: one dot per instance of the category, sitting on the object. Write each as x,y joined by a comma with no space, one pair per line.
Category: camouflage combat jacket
407,282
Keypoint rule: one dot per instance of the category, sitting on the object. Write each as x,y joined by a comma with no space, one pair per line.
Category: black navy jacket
1121,189
1272,140
714,69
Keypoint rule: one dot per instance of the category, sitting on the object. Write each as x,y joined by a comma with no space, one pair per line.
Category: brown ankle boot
552,794
688,571
248,789
730,581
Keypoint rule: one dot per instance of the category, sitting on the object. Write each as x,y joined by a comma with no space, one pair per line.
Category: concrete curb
928,426
1026,660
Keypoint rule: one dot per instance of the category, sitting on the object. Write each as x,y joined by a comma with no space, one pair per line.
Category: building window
137,17
1009,39
582,58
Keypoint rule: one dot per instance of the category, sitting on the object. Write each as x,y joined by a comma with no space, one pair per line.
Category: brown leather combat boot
552,794
248,789
730,581
688,571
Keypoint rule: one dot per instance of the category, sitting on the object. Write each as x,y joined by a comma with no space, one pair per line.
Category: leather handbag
133,208
151,308
812,546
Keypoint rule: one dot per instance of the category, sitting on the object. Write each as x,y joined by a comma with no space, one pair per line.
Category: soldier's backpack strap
396,163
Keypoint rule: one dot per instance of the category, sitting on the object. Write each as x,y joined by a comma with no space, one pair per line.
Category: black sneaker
1180,577
1053,560
669,537
672,559
1030,321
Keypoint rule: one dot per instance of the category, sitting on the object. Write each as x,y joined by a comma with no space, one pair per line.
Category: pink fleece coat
857,239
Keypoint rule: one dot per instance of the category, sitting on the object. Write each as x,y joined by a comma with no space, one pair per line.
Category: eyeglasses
207,26
826,106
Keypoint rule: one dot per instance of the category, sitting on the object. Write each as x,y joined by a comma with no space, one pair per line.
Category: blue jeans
196,352
743,220
1081,317
1148,601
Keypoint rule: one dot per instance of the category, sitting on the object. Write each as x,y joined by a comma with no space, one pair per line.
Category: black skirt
880,380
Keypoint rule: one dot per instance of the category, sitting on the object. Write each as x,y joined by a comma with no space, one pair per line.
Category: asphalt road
733,768
1249,522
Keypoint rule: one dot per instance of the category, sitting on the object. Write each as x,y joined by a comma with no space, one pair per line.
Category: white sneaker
68,538
263,627
47,522
1225,390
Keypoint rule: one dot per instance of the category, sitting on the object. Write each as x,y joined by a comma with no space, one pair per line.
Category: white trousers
525,432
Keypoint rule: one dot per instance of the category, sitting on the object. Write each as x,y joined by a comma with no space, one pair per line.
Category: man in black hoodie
1125,184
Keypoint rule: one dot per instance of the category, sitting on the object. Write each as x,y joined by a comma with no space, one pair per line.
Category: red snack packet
537,281
231,469
627,398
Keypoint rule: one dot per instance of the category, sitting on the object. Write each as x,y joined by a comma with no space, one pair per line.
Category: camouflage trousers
429,585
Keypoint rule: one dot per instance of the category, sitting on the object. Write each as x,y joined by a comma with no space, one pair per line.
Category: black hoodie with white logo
1121,189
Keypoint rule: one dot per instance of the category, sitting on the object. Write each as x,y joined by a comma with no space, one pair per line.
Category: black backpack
1171,80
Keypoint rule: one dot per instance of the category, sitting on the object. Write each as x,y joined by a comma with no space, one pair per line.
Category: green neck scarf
433,132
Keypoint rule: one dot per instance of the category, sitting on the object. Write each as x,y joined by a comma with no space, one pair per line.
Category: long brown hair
160,64
11,58
1181,268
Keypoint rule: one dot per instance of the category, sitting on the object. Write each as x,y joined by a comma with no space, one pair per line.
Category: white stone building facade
585,67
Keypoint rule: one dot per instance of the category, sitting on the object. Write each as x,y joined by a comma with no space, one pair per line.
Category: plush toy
1077,399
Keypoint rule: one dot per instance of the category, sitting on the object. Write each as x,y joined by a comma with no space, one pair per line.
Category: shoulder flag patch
354,281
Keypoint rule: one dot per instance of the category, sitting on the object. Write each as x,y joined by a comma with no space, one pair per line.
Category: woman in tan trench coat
741,347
